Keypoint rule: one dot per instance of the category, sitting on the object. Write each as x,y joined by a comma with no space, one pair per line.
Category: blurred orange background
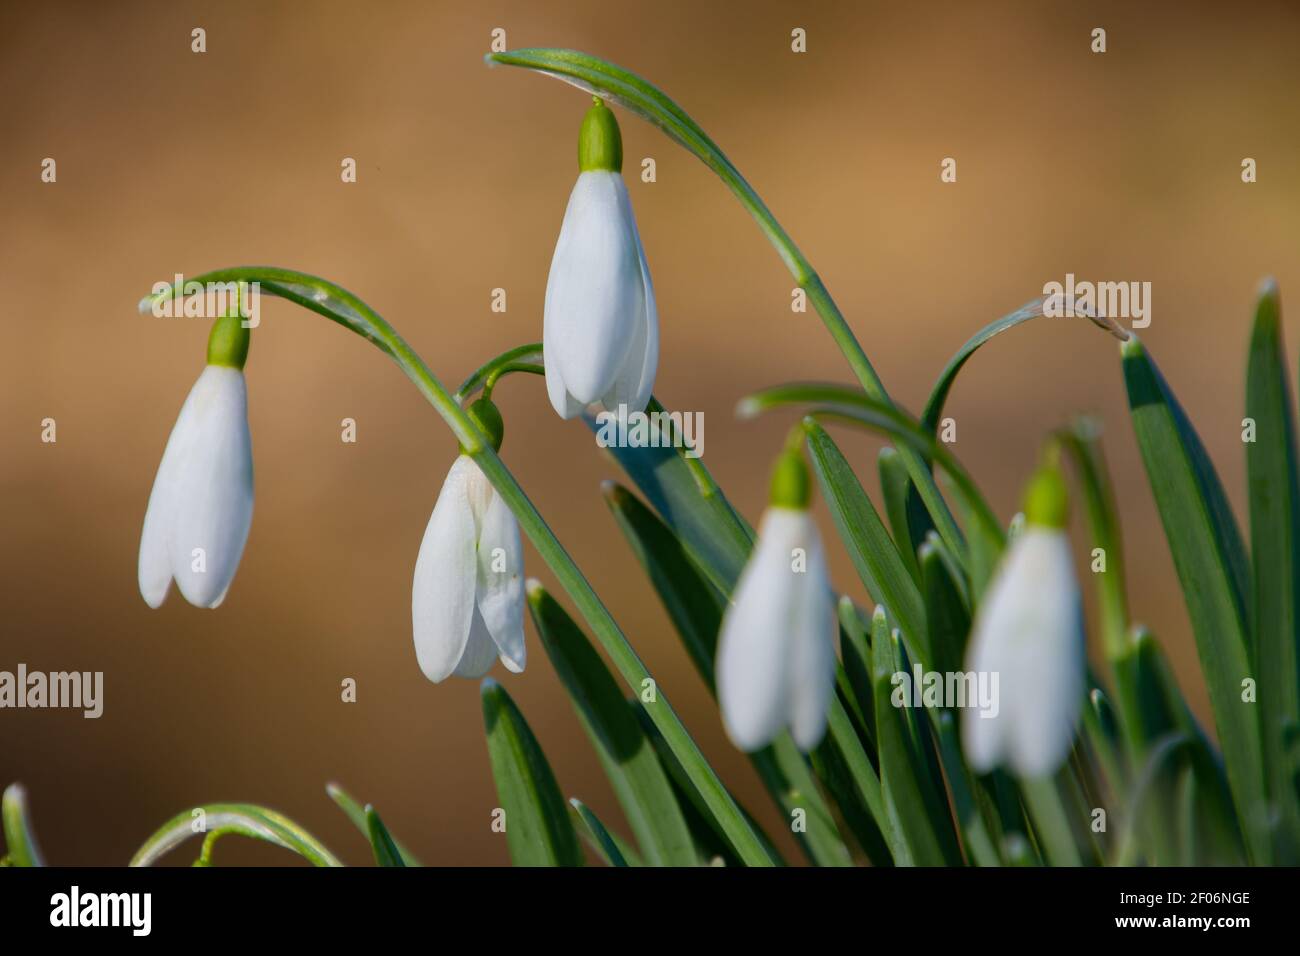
1119,166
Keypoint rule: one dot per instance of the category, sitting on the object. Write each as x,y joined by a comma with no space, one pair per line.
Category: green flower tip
485,414
1047,502
228,342
791,486
600,144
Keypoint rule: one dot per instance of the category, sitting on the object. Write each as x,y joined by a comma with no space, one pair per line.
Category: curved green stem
246,819
528,358
523,358
649,102
342,306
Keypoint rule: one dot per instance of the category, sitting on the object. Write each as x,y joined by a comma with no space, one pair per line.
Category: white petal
753,645
155,567
595,292
501,593
442,595
480,653
984,734
565,405
636,381
1028,631
203,493
812,652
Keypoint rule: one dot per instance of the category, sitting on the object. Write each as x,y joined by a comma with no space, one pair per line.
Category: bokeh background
1122,166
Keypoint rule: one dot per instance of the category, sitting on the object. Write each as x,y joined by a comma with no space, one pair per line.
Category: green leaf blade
625,752
597,836
1209,558
908,519
356,813
692,506
538,830
1275,551
381,842
913,795
878,561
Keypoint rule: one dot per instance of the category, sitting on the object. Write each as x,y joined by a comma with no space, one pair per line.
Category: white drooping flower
467,601
201,506
776,652
600,325
1029,632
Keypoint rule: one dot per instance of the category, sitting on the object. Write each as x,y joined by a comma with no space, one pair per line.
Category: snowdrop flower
776,656
1029,631
467,601
600,326
202,500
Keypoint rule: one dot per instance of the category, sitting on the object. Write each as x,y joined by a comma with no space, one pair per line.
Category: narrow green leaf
867,788
908,519
693,603
941,388
948,623
246,819
1162,711
386,852
1102,734
976,822
854,677
1030,310
626,754
1083,442
1188,847
1275,540
709,837
538,830
691,504
838,776
1209,558
877,560
20,839
357,814
1160,760
913,794
594,832
1051,821
947,620
1148,718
